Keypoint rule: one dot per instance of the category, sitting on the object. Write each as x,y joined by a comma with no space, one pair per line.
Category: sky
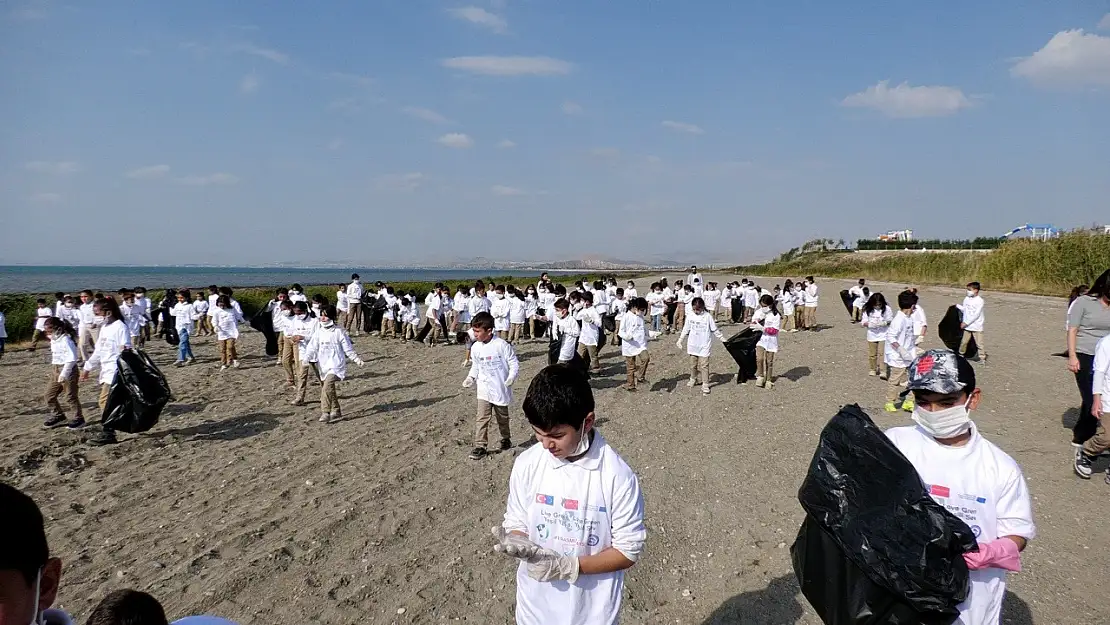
400,131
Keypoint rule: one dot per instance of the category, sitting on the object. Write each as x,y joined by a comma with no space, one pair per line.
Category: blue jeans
657,322
184,350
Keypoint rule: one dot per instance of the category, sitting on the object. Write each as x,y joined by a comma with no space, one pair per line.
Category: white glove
552,567
515,545
510,381
468,382
919,340
359,362
61,379
678,344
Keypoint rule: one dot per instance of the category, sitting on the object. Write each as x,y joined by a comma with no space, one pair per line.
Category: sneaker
629,388
760,382
191,360
641,381
179,363
770,384
872,373
690,383
466,363
883,377
103,437
704,389
54,421
324,418
336,416
223,367
1083,465
235,363
506,444
907,405
478,453
76,424
889,407
1107,476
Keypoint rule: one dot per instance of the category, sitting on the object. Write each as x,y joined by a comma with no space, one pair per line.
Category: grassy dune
1043,268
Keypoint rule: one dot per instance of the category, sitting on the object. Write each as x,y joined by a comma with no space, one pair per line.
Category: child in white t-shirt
634,341
900,350
499,309
767,319
589,340
656,307
42,313
700,327
517,315
494,368
618,305
575,514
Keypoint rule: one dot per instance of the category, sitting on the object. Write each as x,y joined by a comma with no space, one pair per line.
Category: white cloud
503,191
1070,58
427,115
905,101
509,65
455,140
401,182
605,152
210,179
480,17
249,83
266,53
335,144
506,144
684,127
45,198
572,108
1104,23
150,171
58,168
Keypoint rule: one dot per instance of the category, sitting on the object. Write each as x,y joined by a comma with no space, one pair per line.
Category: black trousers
1086,425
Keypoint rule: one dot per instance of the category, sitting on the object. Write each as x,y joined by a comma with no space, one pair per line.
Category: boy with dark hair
634,341
968,475
28,575
128,607
575,513
494,367
900,350
564,330
972,318
42,313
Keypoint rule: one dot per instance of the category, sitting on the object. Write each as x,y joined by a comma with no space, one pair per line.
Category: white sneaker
223,367
770,384
759,381
324,418
704,389
691,382
235,363
872,373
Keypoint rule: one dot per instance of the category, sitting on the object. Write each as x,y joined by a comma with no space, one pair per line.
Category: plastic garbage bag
171,335
951,334
847,298
609,323
875,549
742,349
737,309
541,327
576,362
137,394
264,323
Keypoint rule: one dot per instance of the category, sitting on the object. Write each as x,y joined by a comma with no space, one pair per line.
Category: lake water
33,279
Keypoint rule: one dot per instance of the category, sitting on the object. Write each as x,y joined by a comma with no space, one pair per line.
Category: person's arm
349,348
976,313
715,330
892,332
627,530
1075,318
514,365
1101,366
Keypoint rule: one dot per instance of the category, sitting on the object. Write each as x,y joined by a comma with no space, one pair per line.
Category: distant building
897,235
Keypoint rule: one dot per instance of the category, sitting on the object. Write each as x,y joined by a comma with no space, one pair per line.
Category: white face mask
36,617
583,443
764,310
971,293
947,423
287,313
327,324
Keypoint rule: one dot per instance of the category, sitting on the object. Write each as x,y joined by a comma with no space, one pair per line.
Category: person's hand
1000,554
919,340
963,325
359,361
1073,364
1096,406
515,545
62,379
468,382
678,344
551,566
84,376
510,381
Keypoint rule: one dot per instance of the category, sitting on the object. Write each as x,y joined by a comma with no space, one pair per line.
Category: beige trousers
54,389
699,364
487,412
329,400
898,375
764,364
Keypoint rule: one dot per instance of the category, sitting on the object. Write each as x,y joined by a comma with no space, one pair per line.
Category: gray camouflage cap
941,371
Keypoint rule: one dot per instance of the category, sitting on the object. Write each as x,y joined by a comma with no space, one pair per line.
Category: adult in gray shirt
1088,321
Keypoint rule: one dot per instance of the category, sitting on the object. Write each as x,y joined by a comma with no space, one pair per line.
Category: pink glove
1000,554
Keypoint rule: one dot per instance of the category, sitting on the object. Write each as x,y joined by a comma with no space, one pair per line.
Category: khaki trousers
1100,442
874,354
227,351
788,322
389,327
699,364
410,332
305,370
86,341
329,400
486,412
591,351
679,317
54,388
290,358
764,364
857,313
799,318
615,338
516,332
978,336
811,317
102,399
354,318
898,375
637,368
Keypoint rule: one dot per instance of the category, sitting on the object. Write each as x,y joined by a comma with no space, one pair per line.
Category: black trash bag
847,298
875,549
609,323
264,323
951,334
742,349
672,307
737,309
171,335
137,394
576,362
541,327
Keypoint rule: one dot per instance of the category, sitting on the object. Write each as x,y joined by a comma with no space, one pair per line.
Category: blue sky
397,131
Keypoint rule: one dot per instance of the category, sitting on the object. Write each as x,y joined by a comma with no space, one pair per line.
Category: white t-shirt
341,300
113,338
182,313
633,334
770,323
701,329
919,320
567,330
900,331
500,311
591,324
329,348
517,310
492,364
877,321
811,296
711,298
984,487
577,508
656,302
41,315
973,313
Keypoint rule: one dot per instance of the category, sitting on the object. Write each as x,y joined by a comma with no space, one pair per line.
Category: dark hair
639,303
329,312
697,301
789,284
301,307
213,288
810,278
587,297
861,281
906,300
225,290
23,542
558,395
186,293
1080,289
560,290
140,289
297,287
59,295
354,276
1101,287
479,285
974,285
482,321
561,304
281,291
769,301
128,607
875,302
86,292
109,305
620,291
41,301
285,303
320,299
223,301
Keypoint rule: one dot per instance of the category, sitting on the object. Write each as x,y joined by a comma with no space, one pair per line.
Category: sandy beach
240,505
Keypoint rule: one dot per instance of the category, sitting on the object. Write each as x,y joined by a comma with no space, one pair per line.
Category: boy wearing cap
968,475
28,575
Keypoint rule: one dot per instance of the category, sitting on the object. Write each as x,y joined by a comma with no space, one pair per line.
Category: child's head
140,291
631,285
213,289
688,288
562,307
55,327
128,607
587,298
296,287
301,308
698,304
223,301
86,296
59,296
482,323
906,301
620,293
412,296
354,277
281,293
200,295
128,296
320,300
28,575
599,285
655,286
560,290
559,406
286,307
183,296
941,380
108,308
226,291
638,305
767,301
41,302
972,288
68,302
866,292
328,314
861,281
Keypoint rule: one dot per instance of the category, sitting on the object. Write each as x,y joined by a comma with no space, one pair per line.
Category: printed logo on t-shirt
546,500
542,531
593,540
976,530
570,504
939,491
